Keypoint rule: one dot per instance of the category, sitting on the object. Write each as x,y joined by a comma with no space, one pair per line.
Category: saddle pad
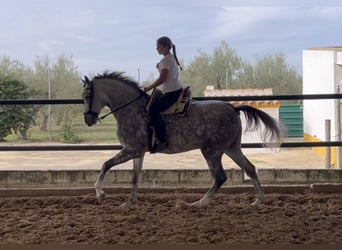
178,107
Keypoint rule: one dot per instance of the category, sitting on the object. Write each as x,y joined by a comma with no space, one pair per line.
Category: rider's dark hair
167,43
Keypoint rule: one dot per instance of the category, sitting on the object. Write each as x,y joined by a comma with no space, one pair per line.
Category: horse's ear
85,81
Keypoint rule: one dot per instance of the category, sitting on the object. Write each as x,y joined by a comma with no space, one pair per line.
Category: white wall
339,58
321,75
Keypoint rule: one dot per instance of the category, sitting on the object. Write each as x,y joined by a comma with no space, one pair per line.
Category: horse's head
92,102
109,89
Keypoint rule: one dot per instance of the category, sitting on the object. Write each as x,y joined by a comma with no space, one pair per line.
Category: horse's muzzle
90,118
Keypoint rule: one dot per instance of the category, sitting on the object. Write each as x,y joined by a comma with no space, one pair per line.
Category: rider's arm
161,79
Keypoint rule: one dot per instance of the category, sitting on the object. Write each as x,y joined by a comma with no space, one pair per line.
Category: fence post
338,127
327,139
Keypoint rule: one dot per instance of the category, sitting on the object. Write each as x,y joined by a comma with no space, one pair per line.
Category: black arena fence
221,98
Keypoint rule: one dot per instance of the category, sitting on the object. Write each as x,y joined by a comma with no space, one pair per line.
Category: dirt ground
283,218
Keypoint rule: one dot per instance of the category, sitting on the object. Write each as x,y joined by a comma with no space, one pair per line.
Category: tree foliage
15,118
14,84
272,71
64,83
21,82
15,70
224,68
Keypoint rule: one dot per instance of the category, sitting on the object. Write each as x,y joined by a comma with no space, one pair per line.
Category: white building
322,74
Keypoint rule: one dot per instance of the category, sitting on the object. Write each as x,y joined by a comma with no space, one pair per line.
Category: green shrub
68,135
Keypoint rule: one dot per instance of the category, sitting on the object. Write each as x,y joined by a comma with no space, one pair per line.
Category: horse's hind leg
214,162
248,167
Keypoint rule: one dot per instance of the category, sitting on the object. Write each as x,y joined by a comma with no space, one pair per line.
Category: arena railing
118,147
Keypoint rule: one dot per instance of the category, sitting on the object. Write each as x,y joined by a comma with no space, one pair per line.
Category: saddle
179,107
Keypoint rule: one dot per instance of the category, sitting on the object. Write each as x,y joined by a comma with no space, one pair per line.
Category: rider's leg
161,104
159,127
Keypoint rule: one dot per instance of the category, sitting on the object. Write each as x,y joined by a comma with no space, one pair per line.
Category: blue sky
120,35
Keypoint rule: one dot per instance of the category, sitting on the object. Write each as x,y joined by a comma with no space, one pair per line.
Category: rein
121,107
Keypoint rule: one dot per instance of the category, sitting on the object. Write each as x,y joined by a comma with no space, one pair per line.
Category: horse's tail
273,129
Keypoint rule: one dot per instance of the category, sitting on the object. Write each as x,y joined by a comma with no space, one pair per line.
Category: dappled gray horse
214,127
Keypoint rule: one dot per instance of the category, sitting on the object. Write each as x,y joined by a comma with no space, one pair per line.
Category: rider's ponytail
175,55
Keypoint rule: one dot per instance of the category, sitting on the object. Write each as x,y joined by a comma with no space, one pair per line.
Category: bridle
91,97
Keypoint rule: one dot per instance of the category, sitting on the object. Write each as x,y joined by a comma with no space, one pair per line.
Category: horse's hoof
204,202
256,203
181,204
101,198
126,205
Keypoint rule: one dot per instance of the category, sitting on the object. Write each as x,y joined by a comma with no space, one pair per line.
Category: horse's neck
125,101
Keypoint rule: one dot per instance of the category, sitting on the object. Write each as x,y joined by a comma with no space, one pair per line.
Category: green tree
222,68
197,74
67,85
16,70
15,118
272,71
40,80
15,80
64,83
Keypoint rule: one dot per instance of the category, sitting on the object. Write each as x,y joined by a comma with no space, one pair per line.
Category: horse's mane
118,76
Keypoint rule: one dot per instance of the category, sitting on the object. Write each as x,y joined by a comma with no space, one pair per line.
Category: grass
103,132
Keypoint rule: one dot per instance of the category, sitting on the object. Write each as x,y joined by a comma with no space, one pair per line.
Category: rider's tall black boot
159,127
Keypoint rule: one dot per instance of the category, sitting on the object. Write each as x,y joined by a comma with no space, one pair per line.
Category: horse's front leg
123,156
137,166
